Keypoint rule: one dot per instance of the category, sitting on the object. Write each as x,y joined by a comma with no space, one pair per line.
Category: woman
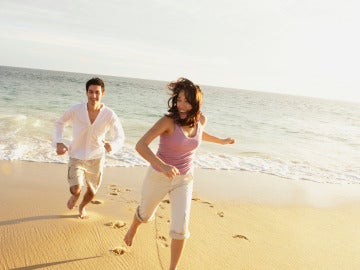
171,171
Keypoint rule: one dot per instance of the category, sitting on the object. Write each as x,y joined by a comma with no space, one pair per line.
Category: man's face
94,94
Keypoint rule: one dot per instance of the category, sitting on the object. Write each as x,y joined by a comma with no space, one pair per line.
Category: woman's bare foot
82,213
72,201
129,236
128,239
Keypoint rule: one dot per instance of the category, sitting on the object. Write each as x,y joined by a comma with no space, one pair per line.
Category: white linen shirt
88,138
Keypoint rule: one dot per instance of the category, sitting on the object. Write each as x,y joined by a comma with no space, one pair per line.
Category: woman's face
183,105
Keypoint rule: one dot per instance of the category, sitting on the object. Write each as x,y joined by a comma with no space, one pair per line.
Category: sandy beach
239,220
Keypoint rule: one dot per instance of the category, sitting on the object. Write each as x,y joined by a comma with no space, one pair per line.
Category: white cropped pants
155,186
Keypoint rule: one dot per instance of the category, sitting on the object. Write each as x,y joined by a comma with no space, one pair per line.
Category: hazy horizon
214,86
307,48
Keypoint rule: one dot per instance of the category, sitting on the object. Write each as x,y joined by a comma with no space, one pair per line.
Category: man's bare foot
72,201
82,213
129,236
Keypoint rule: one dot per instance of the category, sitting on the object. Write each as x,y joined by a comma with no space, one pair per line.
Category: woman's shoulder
166,119
166,123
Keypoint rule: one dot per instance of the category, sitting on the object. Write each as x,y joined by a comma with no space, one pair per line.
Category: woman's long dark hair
193,95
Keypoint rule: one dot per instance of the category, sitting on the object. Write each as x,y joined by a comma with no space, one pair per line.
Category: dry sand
239,220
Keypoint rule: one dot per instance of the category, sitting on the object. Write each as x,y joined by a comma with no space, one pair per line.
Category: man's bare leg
177,247
132,231
89,195
75,191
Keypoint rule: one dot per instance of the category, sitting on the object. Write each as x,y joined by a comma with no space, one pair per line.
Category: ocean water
298,138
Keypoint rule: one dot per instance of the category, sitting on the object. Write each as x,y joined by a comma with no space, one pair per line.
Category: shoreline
253,184
239,220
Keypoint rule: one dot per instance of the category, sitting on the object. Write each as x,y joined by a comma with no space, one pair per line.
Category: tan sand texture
239,220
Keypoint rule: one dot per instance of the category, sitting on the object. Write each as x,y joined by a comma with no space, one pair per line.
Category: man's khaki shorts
86,171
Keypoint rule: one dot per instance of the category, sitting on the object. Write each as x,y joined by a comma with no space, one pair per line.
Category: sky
297,47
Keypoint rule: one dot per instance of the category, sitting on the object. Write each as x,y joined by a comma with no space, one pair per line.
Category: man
90,123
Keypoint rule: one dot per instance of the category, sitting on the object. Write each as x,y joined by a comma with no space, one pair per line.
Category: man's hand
107,146
61,148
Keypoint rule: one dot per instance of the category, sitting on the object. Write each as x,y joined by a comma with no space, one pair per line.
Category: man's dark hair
95,81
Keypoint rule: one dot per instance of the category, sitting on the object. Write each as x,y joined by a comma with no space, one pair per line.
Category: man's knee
75,190
90,191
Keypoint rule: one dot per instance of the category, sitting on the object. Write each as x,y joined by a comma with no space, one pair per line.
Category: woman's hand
228,141
169,171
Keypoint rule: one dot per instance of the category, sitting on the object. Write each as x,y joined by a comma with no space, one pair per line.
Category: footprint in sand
240,237
209,203
97,202
116,224
114,189
220,214
166,201
119,250
204,202
162,240
114,193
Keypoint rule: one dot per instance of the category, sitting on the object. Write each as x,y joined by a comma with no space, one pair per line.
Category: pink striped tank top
178,150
